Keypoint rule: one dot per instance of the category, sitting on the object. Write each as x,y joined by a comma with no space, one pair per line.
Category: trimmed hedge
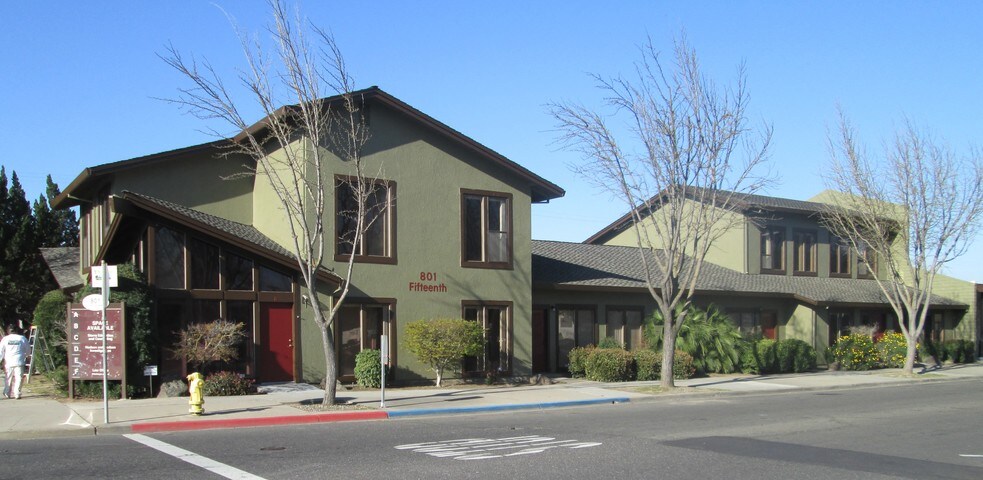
959,351
609,365
368,368
856,352
781,356
578,361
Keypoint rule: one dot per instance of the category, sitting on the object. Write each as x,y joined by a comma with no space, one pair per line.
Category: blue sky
79,80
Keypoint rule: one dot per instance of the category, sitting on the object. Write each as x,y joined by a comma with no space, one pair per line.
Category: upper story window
169,258
238,272
804,252
839,258
773,250
378,242
866,261
486,229
273,281
204,265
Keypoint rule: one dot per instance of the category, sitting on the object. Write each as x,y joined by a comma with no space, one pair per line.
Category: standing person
13,351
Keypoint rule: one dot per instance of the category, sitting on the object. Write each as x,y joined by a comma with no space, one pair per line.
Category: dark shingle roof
245,236
579,265
740,201
236,229
64,265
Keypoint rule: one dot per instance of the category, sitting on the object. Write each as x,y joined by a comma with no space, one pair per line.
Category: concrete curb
255,421
506,407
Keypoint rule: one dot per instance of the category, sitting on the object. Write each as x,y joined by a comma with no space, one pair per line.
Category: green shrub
59,378
648,364
441,342
227,383
578,361
49,317
609,365
609,342
794,355
709,337
856,352
93,388
759,357
892,349
959,351
368,368
683,366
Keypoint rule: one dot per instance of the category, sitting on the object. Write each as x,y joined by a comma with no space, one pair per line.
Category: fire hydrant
197,401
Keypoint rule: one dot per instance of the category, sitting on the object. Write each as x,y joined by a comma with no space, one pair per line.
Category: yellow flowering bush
893,349
856,352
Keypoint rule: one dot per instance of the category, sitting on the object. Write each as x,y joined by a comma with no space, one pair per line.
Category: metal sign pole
105,353
382,359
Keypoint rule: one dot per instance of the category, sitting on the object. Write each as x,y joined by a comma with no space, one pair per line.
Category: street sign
150,370
97,273
94,302
85,343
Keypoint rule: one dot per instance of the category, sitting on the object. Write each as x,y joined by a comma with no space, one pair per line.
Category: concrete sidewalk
38,416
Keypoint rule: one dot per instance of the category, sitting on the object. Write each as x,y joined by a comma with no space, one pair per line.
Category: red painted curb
256,421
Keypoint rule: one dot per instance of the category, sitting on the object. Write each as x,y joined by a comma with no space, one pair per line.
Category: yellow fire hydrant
196,384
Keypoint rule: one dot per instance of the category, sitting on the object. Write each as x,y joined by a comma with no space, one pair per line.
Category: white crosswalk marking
213,466
487,448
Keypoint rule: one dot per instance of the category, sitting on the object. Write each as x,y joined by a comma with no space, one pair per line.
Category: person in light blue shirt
13,352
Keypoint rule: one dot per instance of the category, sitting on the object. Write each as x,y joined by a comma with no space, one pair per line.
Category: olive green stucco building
453,239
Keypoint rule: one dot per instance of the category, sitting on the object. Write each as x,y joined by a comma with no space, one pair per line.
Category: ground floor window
625,326
174,315
762,324
360,326
576,327
496,320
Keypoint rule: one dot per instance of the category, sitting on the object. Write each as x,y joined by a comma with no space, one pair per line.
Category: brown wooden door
275,361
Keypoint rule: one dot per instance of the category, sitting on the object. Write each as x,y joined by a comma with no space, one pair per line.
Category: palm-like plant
710,337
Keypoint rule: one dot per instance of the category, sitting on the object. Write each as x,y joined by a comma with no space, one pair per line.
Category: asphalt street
905,431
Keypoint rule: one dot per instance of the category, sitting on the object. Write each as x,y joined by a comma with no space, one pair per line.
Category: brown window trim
815,251
388,327
507,265
509,351
782,254
390,258
834,245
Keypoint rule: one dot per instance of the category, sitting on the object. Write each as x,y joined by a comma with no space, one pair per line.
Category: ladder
37,345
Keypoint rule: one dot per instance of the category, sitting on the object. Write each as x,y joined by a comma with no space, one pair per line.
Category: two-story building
776,272
453,241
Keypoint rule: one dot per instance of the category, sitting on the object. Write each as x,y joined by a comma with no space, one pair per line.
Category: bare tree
683,163
908,213
294,145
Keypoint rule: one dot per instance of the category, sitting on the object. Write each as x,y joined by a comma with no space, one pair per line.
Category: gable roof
239,235
64,265
541,190
580,266
742,201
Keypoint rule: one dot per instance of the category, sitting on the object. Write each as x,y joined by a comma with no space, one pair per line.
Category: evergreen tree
66,224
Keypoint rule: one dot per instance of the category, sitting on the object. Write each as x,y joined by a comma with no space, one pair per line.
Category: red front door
769,325
276,346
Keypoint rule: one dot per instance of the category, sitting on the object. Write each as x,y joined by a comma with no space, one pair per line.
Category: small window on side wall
486,229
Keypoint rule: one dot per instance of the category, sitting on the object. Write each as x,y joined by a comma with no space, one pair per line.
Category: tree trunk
440,374
909,361
668,357
330,365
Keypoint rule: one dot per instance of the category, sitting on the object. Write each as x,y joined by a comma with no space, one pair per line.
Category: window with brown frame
839,258
496,320
378,241
866,262
625,326
486,229
361,327
773,250
576,327
804,252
